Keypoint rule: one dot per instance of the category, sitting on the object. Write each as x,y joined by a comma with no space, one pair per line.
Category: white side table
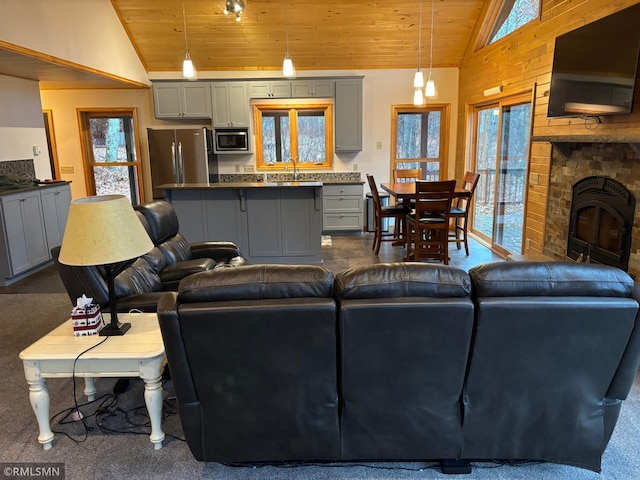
138,353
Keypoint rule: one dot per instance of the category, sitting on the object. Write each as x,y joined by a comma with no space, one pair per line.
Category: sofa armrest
174,348
628,367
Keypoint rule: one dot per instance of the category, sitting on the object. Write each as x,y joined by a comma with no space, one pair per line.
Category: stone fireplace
598,162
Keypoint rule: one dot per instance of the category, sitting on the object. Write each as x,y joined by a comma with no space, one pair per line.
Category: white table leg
153,399
90,388
39,398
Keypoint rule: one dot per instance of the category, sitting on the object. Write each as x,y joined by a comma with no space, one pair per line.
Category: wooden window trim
293,109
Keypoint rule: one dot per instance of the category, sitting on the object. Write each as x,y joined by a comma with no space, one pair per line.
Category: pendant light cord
286,27
431,39
419,34
184,21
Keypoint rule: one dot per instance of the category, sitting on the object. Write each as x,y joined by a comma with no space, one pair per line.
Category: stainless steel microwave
231,141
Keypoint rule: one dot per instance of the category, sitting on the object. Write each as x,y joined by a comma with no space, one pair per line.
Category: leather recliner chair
139,283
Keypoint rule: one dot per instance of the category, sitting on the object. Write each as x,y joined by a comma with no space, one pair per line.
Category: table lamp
104,230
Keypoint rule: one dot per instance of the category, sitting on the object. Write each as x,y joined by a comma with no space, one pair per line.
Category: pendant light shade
418,79
430,90
187,67
418,98
287,67
288,70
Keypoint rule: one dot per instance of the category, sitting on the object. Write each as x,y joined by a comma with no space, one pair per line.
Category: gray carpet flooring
117,446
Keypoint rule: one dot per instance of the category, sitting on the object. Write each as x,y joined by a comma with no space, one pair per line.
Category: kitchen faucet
296,174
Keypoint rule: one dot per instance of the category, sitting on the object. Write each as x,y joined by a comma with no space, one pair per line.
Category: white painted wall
22,124
87,32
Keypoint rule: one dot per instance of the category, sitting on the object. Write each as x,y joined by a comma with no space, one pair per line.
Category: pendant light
188,71
288,70
418,78
430,90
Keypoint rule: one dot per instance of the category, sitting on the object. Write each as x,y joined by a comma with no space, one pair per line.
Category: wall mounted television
595,67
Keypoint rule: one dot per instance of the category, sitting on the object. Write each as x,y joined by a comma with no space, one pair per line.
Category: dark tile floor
345,251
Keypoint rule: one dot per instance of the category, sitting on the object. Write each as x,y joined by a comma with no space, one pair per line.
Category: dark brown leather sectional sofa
400,362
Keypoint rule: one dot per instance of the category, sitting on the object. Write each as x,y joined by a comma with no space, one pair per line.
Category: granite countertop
39,186
234,185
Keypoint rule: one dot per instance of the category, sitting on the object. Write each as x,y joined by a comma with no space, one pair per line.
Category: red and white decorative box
87,320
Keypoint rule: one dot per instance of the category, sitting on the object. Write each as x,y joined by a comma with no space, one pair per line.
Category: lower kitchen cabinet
269,224
342,207
32,222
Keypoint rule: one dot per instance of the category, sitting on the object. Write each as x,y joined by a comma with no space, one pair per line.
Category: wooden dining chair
460,211
407,175
428,223
397,212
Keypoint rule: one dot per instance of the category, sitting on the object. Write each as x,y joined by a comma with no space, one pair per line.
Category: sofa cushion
156,259
402,280
139,277
255,282
555,279
179,270
176,249
162,220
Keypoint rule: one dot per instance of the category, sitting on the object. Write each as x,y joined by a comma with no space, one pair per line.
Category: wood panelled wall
522,61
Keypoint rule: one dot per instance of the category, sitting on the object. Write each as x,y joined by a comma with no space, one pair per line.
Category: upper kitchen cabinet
230,104
348,115
182,99
270,89
313,88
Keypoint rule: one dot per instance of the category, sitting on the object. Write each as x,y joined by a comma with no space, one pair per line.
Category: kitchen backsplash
19,168
328,177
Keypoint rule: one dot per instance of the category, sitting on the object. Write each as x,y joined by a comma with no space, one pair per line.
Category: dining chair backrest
407,175
470,181
434,197
374,191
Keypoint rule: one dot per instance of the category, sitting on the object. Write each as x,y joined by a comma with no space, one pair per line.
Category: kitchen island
271,222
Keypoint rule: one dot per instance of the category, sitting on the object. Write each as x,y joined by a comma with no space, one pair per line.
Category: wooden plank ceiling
323,34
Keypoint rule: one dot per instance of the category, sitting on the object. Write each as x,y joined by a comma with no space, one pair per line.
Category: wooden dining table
402,190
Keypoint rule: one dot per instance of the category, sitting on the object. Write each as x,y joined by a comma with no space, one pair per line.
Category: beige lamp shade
103,230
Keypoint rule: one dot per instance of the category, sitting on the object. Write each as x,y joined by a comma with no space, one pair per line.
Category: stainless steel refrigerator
181,155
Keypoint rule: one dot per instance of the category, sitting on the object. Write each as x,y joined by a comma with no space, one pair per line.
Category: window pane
268,138
311,139
409,137
285,139
116,180
522,12
109,137
413,141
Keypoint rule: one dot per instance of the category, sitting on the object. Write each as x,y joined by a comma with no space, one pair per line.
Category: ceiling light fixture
288,70
188,71
236,7
418,78
430,91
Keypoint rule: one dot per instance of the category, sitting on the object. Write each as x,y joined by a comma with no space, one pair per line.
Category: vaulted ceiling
322,35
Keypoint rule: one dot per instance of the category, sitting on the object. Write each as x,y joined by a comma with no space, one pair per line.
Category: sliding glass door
502,133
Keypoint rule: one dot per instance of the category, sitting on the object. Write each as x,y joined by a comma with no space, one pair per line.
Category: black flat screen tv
595,67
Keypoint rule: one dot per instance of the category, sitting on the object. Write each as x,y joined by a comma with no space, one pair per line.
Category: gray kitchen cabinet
342,207
348,115
182,99
230,104
289,224
269,89
23,240
320,88
55,208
